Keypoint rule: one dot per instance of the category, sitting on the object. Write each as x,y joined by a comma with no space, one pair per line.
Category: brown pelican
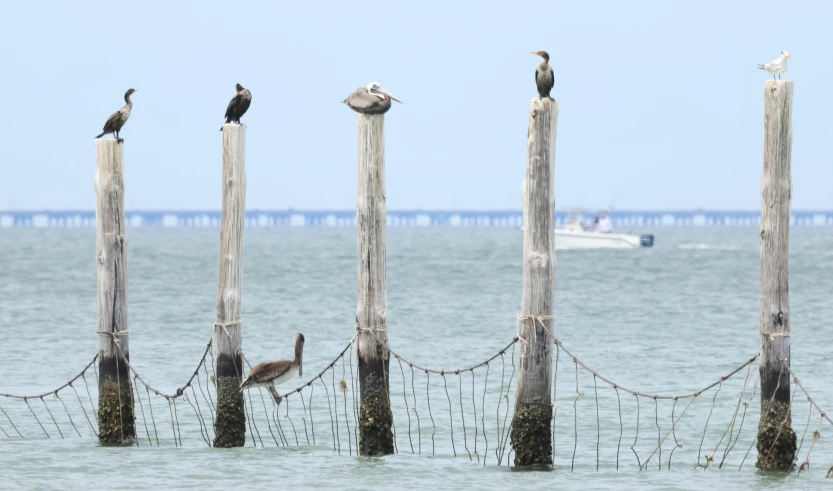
238,105
117,119
372,99
271,373
544,78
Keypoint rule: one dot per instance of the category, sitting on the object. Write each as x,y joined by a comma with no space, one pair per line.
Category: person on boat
604,226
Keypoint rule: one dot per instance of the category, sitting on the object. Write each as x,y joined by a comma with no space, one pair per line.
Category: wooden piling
116,421
230,423
531,430
776,438
376,423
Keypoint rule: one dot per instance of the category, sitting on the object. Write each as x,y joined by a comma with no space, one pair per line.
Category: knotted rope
534,318
770,335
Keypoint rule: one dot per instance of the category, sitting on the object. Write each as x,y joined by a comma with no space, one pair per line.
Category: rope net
462,412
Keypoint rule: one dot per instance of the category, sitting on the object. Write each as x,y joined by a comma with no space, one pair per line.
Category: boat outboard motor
646,240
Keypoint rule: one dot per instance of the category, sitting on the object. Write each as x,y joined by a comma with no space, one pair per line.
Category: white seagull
776,66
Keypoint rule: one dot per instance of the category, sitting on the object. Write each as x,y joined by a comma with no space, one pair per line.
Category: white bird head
785,54
377,90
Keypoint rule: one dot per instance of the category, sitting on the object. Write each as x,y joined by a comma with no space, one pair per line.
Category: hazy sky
661,101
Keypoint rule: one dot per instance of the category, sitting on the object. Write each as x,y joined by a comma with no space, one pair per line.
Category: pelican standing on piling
273,373
544,77
372,99
238,105
776,66
116,120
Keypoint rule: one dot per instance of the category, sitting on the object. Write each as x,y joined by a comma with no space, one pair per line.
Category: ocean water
669,320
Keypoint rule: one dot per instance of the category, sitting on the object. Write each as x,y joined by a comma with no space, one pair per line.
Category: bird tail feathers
99,136
760,67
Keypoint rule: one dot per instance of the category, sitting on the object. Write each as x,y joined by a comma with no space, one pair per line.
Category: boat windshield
585,220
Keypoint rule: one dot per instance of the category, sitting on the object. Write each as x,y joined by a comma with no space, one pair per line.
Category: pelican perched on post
544,78
372,99
272,373
776,66
238,105
116,120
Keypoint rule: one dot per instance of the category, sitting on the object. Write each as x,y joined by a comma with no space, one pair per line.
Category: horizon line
410,210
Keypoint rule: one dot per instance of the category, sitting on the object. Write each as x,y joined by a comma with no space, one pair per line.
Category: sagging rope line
809,397
277,398
54,391
322,372
536,319
179,391
540,320
455,372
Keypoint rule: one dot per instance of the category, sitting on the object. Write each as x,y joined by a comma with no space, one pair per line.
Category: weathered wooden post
230,423
116,422
533,401
375,433
776,438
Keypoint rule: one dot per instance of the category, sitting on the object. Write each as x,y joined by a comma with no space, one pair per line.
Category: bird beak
790,57
390,95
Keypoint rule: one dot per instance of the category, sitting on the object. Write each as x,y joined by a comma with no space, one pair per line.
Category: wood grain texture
532,419
110,246
776,197
535,374
230,281
228,335
376,419
776,442
116,413
371,215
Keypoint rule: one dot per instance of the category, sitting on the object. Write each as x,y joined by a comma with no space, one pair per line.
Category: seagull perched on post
271,373
776,66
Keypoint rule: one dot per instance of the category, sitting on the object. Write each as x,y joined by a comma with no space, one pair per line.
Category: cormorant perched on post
117,119
544,78
238,105
372,99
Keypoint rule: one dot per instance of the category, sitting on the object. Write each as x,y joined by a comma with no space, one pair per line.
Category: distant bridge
396,218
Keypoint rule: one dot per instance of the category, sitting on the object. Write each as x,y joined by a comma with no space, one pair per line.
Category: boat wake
710,247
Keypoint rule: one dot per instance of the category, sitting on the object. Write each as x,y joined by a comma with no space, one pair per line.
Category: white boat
577,235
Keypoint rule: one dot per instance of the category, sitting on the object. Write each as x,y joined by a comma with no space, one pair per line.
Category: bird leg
119,140
274,394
